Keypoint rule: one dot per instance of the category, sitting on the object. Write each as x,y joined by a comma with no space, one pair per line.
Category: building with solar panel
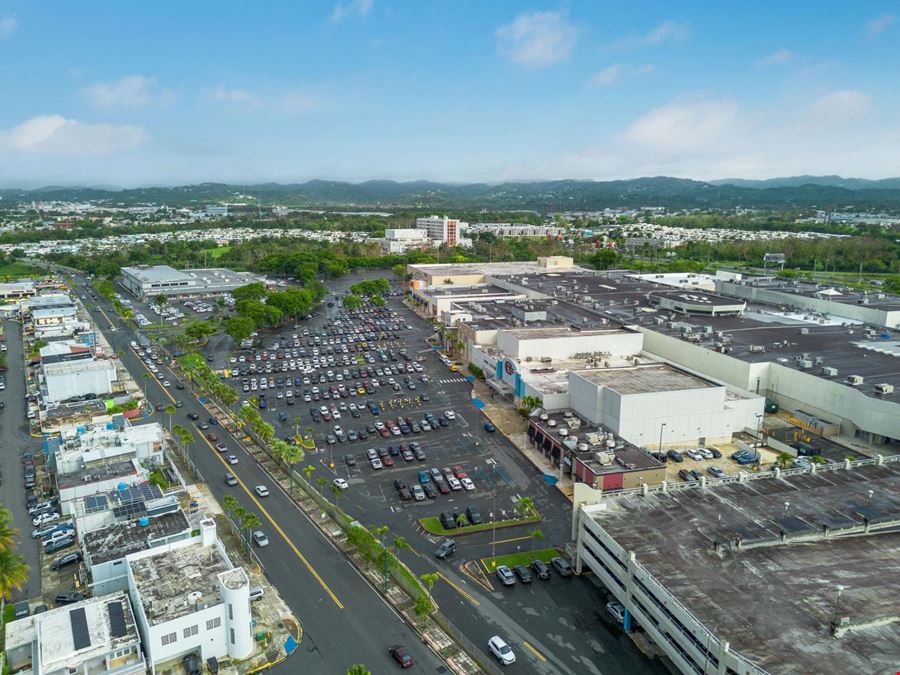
97,635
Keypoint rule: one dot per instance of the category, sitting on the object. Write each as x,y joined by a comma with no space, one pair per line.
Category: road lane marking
150,373
105,316
533,650
468,596
277,527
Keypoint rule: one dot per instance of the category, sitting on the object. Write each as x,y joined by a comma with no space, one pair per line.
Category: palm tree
337,492
229,503
160,301
536,535
358,669
308,470
525,505
400,544
7,531
423,607
321,482
238,513
13,576
170,411
784,460
292,455
429,579
248,522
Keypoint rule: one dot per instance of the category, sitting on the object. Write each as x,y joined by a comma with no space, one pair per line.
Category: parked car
66,560
401,656
191,664
447,548
539,567
715,472
506,576
501,650
562,566
448,520
490,428
473,515
418,493
340,483
616,611
69,597
260,538
523,573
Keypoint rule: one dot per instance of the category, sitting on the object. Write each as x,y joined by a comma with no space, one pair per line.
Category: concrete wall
566,346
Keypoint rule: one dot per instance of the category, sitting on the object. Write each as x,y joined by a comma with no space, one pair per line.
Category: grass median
432,525
522,558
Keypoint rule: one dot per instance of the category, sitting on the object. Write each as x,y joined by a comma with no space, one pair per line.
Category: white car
467,483
705,452
450,415
376,463
44,518
232,459
340,483
501,650
454,483
262,490
693,453
616,611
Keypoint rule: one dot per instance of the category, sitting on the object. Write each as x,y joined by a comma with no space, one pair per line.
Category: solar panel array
117,619
95,503
142,492
130,509
81,637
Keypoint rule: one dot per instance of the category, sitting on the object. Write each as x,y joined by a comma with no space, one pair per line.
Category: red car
211,436
401,656
459,473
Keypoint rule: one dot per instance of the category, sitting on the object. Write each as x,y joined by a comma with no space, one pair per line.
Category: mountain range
796,192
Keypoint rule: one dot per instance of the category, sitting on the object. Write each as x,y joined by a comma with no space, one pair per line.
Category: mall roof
774,596
841,294
645,379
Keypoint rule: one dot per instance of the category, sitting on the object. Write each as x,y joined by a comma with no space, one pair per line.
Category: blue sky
164,93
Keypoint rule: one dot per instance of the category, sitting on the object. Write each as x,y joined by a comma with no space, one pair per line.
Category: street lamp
661,427
759,419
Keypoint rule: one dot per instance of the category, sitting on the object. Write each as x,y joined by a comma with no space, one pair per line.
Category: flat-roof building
792,572
147,281
68,379
97,635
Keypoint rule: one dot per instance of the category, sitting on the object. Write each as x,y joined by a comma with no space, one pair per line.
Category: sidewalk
510,423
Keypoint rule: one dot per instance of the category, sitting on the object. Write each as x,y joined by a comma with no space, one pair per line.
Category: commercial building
147,281
65,351
189,598
467,274
877,309
444,230
97,635
436,300
17,290
791,572
80,447
400,240
98,480
69,379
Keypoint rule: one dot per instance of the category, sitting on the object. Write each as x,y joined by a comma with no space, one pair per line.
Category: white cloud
131,90
776,58
536,39
684,126
231,96
57,135
667,31
352,9
879,24
8,26
840,107
617,71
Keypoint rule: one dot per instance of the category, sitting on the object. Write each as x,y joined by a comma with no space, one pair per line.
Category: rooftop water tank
143,521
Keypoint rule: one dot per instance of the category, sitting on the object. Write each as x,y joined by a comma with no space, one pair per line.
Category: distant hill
545,196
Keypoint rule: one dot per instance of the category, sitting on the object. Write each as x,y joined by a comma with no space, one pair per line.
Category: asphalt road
16,438
345,620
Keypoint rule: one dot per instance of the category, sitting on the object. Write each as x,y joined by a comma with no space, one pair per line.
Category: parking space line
533,650
277,527
468,596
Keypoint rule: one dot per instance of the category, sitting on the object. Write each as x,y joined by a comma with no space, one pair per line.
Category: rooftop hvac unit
884,389
583,447
804,331
757,349
551,423
829,371
604,457
805,363
546,359
527,359
855,380
567,414
544,417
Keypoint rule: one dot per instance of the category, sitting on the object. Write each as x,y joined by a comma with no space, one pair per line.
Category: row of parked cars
537,568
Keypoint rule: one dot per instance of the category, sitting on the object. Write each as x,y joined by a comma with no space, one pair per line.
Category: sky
166,93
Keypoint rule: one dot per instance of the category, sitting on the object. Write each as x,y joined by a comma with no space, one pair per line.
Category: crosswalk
451,380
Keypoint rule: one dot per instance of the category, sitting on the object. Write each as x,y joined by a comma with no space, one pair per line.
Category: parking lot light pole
661,427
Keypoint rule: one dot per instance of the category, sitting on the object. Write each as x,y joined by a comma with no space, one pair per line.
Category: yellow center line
151,374
277,527
533,650
111,324
509,541
468,596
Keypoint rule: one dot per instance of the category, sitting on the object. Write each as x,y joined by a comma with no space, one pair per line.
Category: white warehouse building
68,379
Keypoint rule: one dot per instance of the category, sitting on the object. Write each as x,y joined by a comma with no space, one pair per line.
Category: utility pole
494,527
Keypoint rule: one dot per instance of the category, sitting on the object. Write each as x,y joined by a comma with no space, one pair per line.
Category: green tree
321,482
170,411
525,506
378,300
529,403
308,470
7,530
536,536
423,607
13,576
352,301
604,259
239,327
358,669
292,454
400,544
248,522
197,330
229,503
429,579
784,460
255,291
161,301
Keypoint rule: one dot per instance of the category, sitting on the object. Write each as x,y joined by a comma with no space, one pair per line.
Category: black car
349,460
191,664
68,597
430,491
715,453
193,416
66,560
675,456
684,474
405,494
399,484
523,573
539,567
448,520
473,515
